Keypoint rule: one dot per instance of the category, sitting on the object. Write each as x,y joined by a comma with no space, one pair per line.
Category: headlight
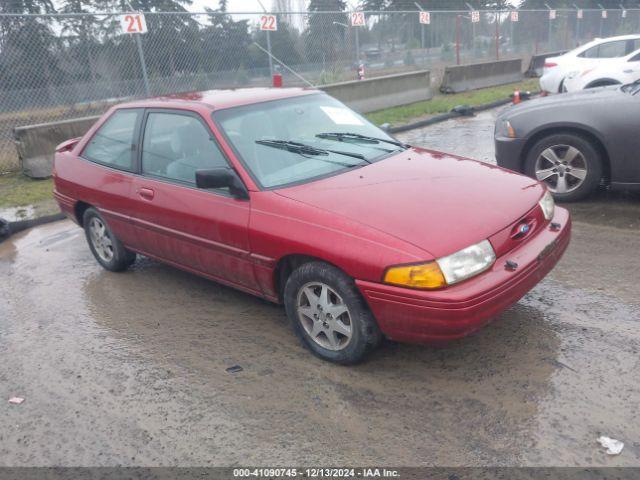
548,205
505,129
444,271
467,262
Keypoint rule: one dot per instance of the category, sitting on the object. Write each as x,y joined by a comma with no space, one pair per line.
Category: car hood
438,202
590,96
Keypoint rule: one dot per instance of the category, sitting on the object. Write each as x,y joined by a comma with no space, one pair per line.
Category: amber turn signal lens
426,275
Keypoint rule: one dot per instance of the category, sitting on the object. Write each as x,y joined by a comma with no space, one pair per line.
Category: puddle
13,214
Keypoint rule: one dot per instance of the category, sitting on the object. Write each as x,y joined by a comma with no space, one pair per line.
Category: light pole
356,38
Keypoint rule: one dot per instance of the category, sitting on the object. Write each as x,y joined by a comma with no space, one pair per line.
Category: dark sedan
574,142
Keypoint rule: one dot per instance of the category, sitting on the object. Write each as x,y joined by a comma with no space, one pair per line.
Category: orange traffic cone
516,97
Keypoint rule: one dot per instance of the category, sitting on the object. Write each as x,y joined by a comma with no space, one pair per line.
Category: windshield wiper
345,136
631,87
296,147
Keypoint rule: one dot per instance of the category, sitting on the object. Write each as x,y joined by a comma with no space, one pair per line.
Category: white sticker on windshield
342,116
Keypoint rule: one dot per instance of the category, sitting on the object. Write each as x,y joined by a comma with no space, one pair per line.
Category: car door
623,124
630,70
106,183
205,231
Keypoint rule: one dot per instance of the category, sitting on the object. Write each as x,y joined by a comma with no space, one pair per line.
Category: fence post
511,40
268,43
497,35
357,46
458,39
143,65
549,47
269,50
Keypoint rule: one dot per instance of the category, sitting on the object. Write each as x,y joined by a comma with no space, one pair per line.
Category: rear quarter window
112,144
607,50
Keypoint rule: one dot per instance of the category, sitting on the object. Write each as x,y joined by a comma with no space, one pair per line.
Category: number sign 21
133,23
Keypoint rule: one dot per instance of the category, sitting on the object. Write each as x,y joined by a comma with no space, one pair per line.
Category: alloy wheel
100,239
324,316
562,168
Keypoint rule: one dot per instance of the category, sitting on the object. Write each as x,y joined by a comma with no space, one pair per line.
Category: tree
225,42
325,33
284,45
31,38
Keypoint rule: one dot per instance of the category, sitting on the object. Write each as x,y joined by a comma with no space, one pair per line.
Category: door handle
146,193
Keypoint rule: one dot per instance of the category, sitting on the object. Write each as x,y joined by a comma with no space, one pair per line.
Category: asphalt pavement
130,368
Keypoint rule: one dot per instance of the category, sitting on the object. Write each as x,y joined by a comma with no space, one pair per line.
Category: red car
289,195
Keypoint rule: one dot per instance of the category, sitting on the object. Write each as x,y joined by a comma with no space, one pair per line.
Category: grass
17,190
444,103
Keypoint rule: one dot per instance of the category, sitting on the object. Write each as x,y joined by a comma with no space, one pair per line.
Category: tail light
550,64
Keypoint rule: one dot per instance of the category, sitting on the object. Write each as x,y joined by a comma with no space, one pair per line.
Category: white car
617,72
597,52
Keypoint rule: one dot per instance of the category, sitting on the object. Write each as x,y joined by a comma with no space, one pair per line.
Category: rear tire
329,314
105,246
569,165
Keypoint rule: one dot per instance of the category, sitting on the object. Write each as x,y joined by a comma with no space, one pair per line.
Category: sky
233,5
238,5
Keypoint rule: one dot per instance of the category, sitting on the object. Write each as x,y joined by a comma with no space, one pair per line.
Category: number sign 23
357,19
133,23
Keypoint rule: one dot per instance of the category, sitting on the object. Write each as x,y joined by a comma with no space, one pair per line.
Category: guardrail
36,143
460,78
383,92
536,64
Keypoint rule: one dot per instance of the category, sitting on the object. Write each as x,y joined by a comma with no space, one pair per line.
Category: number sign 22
269,23
133,23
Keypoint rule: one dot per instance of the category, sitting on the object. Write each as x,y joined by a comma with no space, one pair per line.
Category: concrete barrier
383,92
36,143
460,78
536,63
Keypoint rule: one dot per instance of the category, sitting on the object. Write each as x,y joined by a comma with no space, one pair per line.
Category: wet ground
129,369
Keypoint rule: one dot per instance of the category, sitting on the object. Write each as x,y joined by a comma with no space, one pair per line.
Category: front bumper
442,315
509,152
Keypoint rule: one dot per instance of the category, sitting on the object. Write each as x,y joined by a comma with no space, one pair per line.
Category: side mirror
221,178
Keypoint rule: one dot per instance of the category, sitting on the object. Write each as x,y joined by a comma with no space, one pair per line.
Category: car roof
598,40
219,99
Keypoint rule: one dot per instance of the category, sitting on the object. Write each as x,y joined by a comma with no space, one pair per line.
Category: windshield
299,139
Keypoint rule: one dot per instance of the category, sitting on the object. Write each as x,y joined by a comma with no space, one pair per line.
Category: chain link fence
62,66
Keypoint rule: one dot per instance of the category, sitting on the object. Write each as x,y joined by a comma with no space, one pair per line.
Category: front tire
329,314
568,164
105,246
